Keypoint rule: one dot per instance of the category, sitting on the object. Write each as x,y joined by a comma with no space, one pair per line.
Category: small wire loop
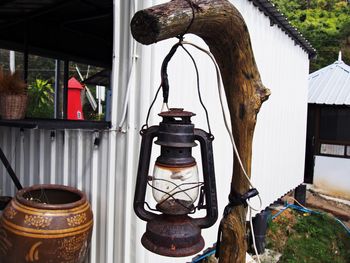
143,129
193,7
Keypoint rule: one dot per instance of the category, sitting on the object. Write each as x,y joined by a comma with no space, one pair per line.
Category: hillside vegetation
325,23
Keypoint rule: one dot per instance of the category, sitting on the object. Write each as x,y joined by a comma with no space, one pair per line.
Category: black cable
165,83
164,68
164,74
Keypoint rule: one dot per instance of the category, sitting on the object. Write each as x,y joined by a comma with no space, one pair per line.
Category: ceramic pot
46,224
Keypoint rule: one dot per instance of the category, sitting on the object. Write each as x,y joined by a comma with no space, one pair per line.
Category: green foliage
41,99
326,24
313,239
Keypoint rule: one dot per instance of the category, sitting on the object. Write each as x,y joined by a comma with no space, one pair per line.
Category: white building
63,152
328,133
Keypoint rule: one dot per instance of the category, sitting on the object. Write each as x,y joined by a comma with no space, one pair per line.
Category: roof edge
277,18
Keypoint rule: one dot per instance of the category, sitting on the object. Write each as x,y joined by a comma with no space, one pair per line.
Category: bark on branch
223,28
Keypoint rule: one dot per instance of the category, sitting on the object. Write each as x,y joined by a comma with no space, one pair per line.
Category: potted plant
13,95
46,223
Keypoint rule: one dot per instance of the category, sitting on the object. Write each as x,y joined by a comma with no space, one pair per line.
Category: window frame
55,122
320,141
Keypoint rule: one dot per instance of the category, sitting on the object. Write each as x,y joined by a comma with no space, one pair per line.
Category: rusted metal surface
173,236
176,112
46,223
175,206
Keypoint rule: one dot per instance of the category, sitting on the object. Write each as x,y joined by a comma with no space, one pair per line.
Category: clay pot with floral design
46,224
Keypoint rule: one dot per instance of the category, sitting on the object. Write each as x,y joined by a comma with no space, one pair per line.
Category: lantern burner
174,200
175,207
173,236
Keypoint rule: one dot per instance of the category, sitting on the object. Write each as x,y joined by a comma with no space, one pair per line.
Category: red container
75,110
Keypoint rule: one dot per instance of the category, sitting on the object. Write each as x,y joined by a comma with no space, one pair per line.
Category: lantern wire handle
164,68
145,126
165,84
164,75
198,89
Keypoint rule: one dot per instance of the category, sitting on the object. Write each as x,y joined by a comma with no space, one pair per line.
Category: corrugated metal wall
107,172
279,140
60,157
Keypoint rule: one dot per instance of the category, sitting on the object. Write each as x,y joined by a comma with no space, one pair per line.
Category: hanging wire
198,88
165,84
145,126
250,208
164,76
220,90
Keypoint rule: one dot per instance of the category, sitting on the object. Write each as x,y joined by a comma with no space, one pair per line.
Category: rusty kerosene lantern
175,186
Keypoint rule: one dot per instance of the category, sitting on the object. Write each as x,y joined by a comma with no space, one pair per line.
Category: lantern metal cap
176,112
176,129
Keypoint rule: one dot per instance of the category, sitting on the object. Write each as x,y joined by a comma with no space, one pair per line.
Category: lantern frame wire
171,195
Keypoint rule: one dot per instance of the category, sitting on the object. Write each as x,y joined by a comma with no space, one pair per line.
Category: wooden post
223,28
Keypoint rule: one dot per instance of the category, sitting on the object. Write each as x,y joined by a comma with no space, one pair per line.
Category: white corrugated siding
107,173
68,158
279,140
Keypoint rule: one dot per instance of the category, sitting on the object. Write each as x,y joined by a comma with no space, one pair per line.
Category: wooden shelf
56,124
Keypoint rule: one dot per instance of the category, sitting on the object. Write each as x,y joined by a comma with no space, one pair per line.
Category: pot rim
65,188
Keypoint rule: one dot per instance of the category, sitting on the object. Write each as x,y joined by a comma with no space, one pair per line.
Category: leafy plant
41,99
324,23
312,239
12,83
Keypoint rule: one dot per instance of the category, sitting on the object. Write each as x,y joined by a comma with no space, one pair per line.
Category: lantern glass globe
175,188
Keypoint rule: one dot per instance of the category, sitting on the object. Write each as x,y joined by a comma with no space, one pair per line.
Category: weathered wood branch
222,27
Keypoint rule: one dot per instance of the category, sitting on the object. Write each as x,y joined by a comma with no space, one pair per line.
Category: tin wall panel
37,157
